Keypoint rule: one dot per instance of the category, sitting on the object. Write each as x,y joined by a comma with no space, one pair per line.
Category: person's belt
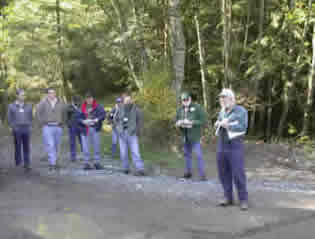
53,124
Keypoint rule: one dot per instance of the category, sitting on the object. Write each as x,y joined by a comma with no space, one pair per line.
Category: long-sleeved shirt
237,119
20,114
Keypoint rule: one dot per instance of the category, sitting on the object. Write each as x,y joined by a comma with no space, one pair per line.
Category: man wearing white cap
231,126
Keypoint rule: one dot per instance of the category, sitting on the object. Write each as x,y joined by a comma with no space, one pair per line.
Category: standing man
129,123
190,118
112,120
51,115
73,113
20,117
231,127
92,117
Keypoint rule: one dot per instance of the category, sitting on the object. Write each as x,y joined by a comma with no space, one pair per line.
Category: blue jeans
74,132
52,139
115,137
126,142
189,147
231,168
92,139
22,136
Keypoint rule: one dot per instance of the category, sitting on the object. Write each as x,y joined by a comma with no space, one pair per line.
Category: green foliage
158,102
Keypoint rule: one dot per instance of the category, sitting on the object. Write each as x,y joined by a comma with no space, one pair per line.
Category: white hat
228,93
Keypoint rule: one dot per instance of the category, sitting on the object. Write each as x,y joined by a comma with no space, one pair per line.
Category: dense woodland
262,49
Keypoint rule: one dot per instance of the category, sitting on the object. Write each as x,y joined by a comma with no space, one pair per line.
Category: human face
186,102
21,97
51,94
226,102
89,100
127,100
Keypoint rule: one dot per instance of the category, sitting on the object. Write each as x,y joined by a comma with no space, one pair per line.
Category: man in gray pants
20,121
51,114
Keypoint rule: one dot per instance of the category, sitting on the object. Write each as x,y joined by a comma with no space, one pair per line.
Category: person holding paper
190,119
231,126
91,121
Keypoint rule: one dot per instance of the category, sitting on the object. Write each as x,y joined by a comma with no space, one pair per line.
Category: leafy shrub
158,102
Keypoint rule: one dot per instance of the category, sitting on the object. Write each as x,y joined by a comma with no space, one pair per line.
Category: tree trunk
289,86
227,25
287,91
246,34
260,72
310,91
269,109
125,44
178,45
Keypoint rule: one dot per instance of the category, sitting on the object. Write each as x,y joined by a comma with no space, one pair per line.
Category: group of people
84,121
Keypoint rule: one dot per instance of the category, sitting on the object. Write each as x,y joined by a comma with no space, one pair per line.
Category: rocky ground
72,203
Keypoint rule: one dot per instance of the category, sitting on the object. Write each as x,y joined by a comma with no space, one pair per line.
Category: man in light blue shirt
231,126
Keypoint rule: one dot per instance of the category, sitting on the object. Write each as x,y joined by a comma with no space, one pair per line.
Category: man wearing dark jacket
20,117
73,112
190,118
129,123
90,121
112,120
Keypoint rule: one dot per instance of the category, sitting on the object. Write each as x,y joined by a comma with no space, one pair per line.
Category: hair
50,88
89,94
19,91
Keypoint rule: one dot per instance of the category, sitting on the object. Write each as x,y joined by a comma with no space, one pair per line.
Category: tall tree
178,45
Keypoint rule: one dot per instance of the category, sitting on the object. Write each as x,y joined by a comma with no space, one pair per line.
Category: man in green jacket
190,118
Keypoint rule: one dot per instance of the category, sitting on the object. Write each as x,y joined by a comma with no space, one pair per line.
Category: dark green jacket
198,116
134,121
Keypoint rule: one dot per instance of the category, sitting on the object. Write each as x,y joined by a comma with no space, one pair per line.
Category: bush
158,102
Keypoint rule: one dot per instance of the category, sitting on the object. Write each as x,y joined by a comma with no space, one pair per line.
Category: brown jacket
47,114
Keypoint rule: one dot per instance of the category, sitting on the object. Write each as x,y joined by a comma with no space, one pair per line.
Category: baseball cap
185,96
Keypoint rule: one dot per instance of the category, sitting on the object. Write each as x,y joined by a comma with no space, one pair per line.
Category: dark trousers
74,132
231,168
22,136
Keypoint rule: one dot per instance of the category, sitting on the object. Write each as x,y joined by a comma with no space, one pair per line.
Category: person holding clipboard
231,128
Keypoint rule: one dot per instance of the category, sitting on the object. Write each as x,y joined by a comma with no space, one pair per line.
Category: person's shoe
52,168
225,203
140,173
203,178
187,176
27,168
98,166
126,171
244,206
87,166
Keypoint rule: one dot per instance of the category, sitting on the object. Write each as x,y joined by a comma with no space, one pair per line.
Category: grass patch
149,153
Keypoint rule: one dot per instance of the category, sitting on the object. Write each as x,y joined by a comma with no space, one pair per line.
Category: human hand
224,123
179,123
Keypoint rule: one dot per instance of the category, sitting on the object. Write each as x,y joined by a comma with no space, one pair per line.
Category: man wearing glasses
190,119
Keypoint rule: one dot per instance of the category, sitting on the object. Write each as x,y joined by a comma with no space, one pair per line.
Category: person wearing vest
20,117
91,121
231,126
190,119
51,113
73,112
112,116
129,123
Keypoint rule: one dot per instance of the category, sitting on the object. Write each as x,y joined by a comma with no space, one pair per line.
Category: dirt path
73,204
